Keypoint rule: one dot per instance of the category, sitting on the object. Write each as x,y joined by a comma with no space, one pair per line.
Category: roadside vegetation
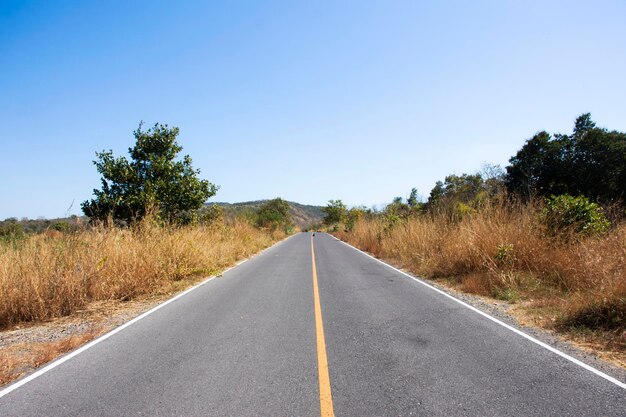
147,232
547,235
54,274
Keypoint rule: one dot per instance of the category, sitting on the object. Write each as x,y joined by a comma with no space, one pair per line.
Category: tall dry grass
55,274
505,252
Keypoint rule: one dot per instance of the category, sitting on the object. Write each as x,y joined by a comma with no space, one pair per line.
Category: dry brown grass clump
505,252
51,275
23,358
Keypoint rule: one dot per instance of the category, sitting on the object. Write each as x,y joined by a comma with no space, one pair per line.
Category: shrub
11,232
212,215
335,212
274,214
61,227
565,213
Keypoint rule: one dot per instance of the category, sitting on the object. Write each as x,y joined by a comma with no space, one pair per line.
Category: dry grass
23,358
54,274
505,253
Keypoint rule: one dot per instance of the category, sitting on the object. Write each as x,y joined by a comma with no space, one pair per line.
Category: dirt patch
24,348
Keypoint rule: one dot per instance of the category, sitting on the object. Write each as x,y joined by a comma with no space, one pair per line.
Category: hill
303,215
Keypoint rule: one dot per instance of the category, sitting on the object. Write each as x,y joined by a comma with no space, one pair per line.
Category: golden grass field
55,274
576,286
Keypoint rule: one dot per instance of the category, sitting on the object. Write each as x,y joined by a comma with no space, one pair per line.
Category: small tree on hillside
274,214
153,180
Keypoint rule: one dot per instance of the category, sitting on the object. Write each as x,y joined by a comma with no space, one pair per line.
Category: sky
308,101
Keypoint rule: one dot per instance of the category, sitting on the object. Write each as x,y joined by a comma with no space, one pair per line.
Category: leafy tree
412,200
582,125
334,212
459,196
398,208
599,165
152,180
467,188
591,162
539,167
354,215
274,214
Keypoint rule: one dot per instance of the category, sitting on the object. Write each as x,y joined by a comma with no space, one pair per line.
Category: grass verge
60,291
55,274
576,287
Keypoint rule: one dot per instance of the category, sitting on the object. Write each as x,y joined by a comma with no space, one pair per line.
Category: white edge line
105,336
495,320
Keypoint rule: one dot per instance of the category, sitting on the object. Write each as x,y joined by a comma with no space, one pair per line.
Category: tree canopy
152,180
591,161
334,212
274,214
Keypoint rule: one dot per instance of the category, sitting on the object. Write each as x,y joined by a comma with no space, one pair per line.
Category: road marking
326,397
105,336
495,320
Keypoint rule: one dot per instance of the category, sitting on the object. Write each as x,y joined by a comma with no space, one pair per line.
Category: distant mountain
303,215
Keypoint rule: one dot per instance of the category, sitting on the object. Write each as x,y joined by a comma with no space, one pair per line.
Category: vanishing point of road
314,327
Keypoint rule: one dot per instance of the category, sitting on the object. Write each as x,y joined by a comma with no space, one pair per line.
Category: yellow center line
326,398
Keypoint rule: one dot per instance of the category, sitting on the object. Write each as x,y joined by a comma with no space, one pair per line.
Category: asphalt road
248,343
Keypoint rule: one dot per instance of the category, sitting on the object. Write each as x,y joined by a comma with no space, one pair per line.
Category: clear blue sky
307,100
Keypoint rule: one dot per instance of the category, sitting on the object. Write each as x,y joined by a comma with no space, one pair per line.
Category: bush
212,215
274,214
565,213
11,232
335,212
62,227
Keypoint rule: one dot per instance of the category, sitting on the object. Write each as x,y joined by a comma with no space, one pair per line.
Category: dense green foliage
152,181
565,213
463,189
459,196
412,200
274,214
355,214
335,212
11,231
591,162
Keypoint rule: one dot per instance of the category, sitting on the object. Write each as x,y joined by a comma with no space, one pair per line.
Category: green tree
459,196
152,180
412,200
591,162
274,214
335,212
354,215
541,166
467,188
398,208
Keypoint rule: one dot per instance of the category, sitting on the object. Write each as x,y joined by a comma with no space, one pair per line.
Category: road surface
315,329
